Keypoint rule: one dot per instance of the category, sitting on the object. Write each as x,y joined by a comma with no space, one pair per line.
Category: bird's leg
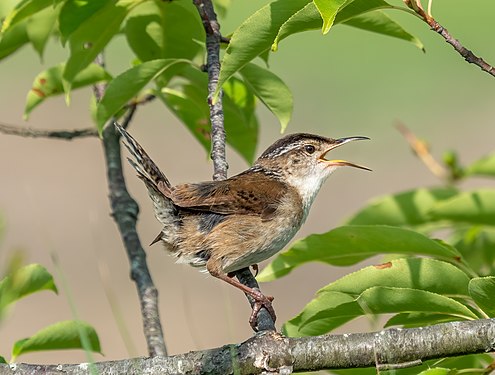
260,300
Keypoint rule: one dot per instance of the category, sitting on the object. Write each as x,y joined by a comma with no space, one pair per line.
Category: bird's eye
309,149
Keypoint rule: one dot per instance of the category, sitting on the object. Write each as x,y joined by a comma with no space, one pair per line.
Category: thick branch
57,134
220,166
269,352
468,55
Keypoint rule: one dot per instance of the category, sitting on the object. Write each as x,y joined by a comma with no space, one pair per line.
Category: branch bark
467,54
66,135
125,212
213,39
270,352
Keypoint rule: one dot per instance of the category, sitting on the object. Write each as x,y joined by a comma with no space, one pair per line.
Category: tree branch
468,55
66,135
125,212
220,166
213,40
420,148
270,352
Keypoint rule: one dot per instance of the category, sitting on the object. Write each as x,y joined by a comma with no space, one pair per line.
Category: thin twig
146,99
468,55
66,135
125,212
220,166
420,148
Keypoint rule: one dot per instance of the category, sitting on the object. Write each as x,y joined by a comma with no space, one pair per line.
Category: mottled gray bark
270,352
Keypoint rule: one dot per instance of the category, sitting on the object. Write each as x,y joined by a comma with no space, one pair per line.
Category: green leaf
189,103
40,26
275,21
2,359
410,208
411,320
414,273
13,39
63,335
476,245
23,10
328,10
241,124
221,7
380,23
438,371
483,167
471,361
476,207
255,35
24,281
75,13
49,83
91,37
348,245
385,300
482,290
308,17
151,30
271,90
127,85
324,301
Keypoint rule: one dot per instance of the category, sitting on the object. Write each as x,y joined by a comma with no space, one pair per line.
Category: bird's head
301,160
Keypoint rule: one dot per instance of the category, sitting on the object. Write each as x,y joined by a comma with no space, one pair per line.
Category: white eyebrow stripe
283,150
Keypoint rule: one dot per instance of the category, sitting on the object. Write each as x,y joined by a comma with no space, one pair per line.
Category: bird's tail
145,167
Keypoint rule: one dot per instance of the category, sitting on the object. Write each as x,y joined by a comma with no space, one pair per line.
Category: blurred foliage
21,281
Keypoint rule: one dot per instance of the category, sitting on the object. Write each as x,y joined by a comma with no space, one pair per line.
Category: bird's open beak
343,163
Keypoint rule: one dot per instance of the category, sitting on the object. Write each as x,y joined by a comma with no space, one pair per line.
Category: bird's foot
255,268
260,300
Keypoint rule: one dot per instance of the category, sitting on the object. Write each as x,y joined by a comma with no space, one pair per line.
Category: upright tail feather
146,169
159,188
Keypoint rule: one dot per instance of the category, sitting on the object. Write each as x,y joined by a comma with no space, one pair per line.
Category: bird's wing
243,194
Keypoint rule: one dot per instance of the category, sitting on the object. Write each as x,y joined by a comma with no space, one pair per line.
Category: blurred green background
53,194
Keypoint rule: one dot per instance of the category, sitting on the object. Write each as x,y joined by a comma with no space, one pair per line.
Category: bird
226,225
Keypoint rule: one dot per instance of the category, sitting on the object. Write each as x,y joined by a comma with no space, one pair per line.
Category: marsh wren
224,226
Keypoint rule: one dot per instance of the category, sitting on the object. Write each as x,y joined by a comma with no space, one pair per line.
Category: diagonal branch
420,148
66,135
270,352
467,54
220,166
125,212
